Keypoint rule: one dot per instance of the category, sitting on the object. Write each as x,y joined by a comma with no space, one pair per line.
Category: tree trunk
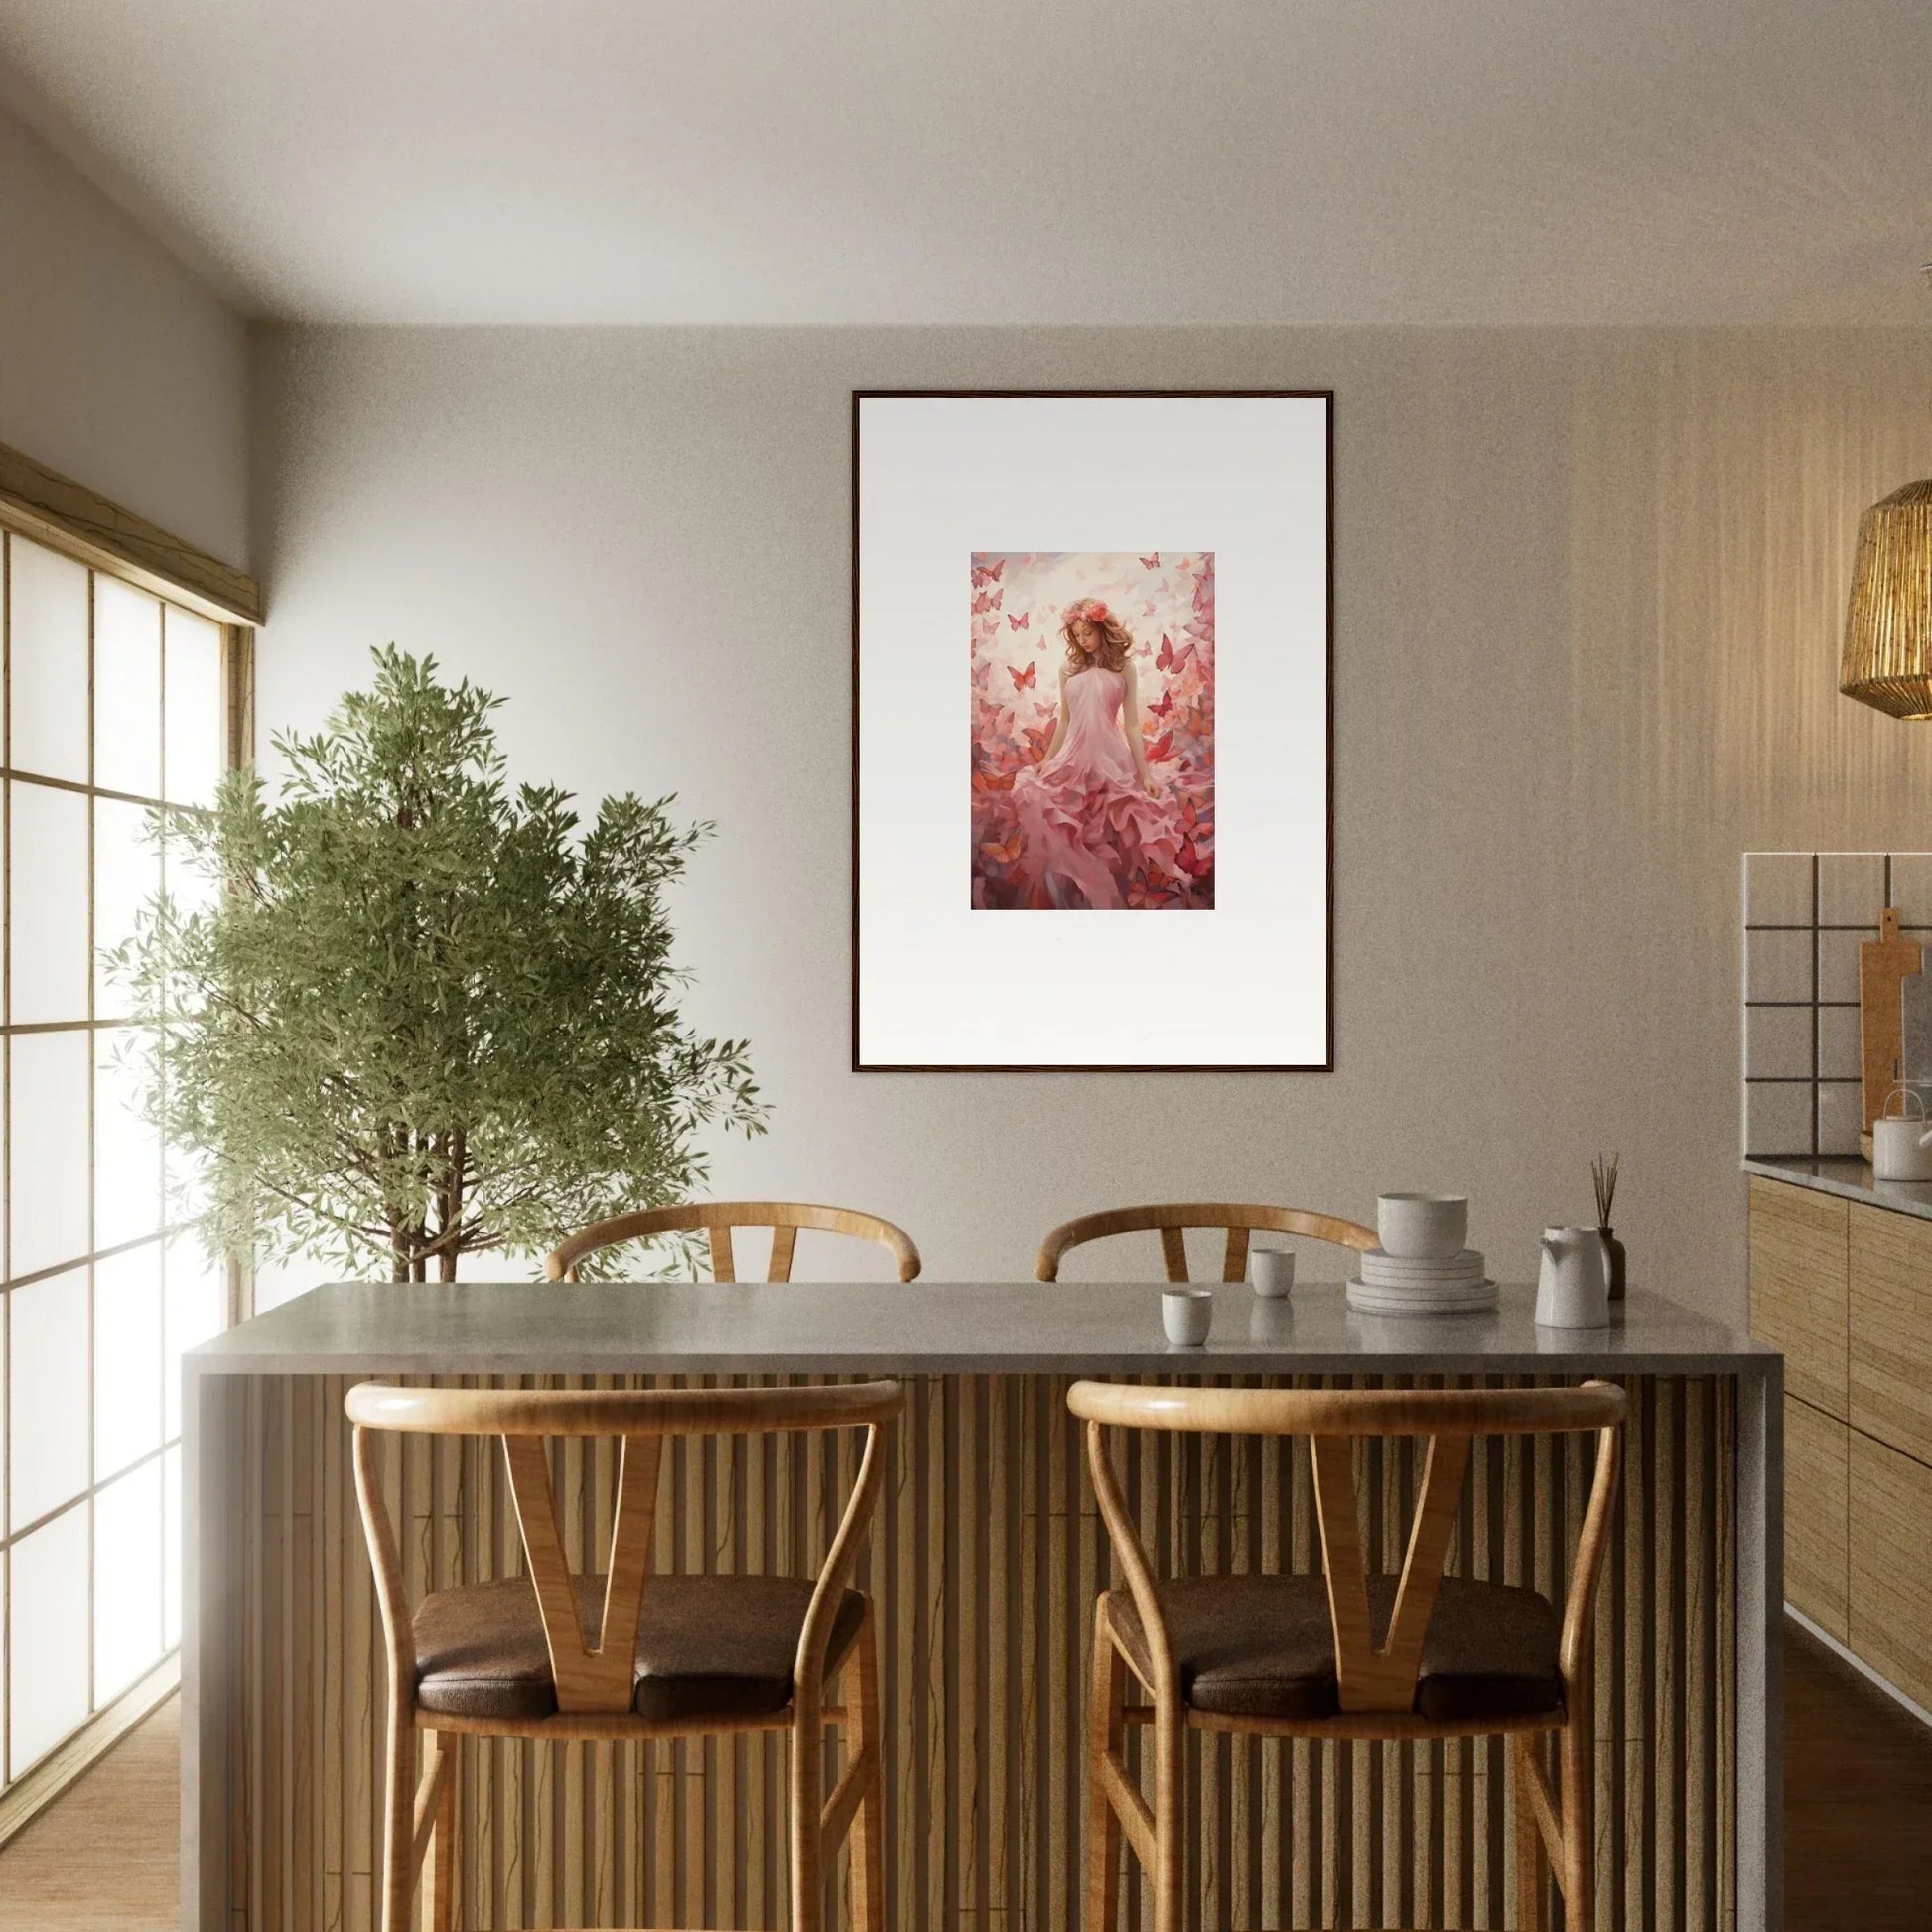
454,1155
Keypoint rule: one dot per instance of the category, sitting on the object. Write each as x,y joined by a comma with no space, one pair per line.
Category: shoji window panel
114,700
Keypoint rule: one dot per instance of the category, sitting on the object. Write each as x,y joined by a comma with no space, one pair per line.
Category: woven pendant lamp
1887,659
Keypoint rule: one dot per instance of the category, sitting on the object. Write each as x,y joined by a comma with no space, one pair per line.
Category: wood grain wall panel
1799,1269
1891,1583
985,1557
1891,1328
1817,1501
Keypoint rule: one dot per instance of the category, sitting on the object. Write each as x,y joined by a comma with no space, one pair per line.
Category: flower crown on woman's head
1089,608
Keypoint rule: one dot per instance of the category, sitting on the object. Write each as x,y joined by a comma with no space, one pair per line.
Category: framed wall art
1091,731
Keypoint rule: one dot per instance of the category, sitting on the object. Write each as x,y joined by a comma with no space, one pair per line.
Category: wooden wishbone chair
718,1218
1174,1217
555,1656
1353,1654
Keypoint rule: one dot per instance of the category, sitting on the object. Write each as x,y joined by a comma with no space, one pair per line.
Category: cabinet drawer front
1798,1287
1891,1328
1817,1500
1891,1581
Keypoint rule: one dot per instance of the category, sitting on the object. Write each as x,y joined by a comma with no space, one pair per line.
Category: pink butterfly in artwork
1146,893
1166,705
1191,861
983,602
1024,680
1022,621
988,573
1151,563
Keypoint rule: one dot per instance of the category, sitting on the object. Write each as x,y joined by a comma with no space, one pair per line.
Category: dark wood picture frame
1328,398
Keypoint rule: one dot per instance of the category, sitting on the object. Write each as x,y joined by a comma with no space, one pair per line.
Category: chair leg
1532,1882
439,1905
1576,1772
1106,1734
399,1819
1170,1810
807,1812
868,1879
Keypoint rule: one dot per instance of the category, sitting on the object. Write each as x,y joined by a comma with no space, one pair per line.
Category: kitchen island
985,1557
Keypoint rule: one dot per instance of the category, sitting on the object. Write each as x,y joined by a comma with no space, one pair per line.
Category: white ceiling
1082,161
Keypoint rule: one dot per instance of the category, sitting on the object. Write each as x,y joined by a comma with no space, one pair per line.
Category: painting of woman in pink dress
1099,798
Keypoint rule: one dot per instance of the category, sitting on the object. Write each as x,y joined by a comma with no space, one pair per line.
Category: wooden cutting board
1885,963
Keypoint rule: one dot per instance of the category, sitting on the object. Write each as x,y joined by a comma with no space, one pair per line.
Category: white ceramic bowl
1187,1314
1417,1226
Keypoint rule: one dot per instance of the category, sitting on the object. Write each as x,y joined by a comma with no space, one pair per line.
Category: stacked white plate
1421,1285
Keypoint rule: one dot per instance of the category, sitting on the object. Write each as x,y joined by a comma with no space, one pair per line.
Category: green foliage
420,1015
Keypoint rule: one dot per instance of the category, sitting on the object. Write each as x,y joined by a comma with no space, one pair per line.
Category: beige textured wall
117,366
1588,591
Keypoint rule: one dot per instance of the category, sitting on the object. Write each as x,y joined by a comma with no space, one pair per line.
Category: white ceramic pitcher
1574,1289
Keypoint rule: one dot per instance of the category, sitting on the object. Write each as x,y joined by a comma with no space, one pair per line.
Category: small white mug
1187,1314
1272,1270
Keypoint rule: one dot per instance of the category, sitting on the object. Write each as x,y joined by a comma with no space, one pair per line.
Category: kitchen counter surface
932,1328
1850,1179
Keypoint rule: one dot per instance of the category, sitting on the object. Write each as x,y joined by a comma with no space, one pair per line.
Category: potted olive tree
414,1014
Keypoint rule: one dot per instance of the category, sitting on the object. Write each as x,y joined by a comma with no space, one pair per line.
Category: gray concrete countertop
932,1328
1850,1179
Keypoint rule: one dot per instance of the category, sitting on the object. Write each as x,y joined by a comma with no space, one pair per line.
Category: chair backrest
598,1677
717,1218
1172,1219
1371,1676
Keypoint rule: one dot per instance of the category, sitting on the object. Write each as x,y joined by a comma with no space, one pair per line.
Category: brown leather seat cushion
707,1646
1263,1647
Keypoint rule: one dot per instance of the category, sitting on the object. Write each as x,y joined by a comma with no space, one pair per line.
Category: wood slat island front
985,1559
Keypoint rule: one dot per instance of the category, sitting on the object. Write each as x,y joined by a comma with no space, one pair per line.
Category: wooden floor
1858,1820
1857,1809
106,1856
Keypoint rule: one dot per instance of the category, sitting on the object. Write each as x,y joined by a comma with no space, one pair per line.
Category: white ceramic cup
1420,1227
1272,1271
1187,1314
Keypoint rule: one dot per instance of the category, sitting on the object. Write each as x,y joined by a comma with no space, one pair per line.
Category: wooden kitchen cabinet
1891,1329
1816,1479
1799,1269
1891,1576
1843,1289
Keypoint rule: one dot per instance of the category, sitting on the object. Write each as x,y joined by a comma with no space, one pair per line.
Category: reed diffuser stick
1603,1176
